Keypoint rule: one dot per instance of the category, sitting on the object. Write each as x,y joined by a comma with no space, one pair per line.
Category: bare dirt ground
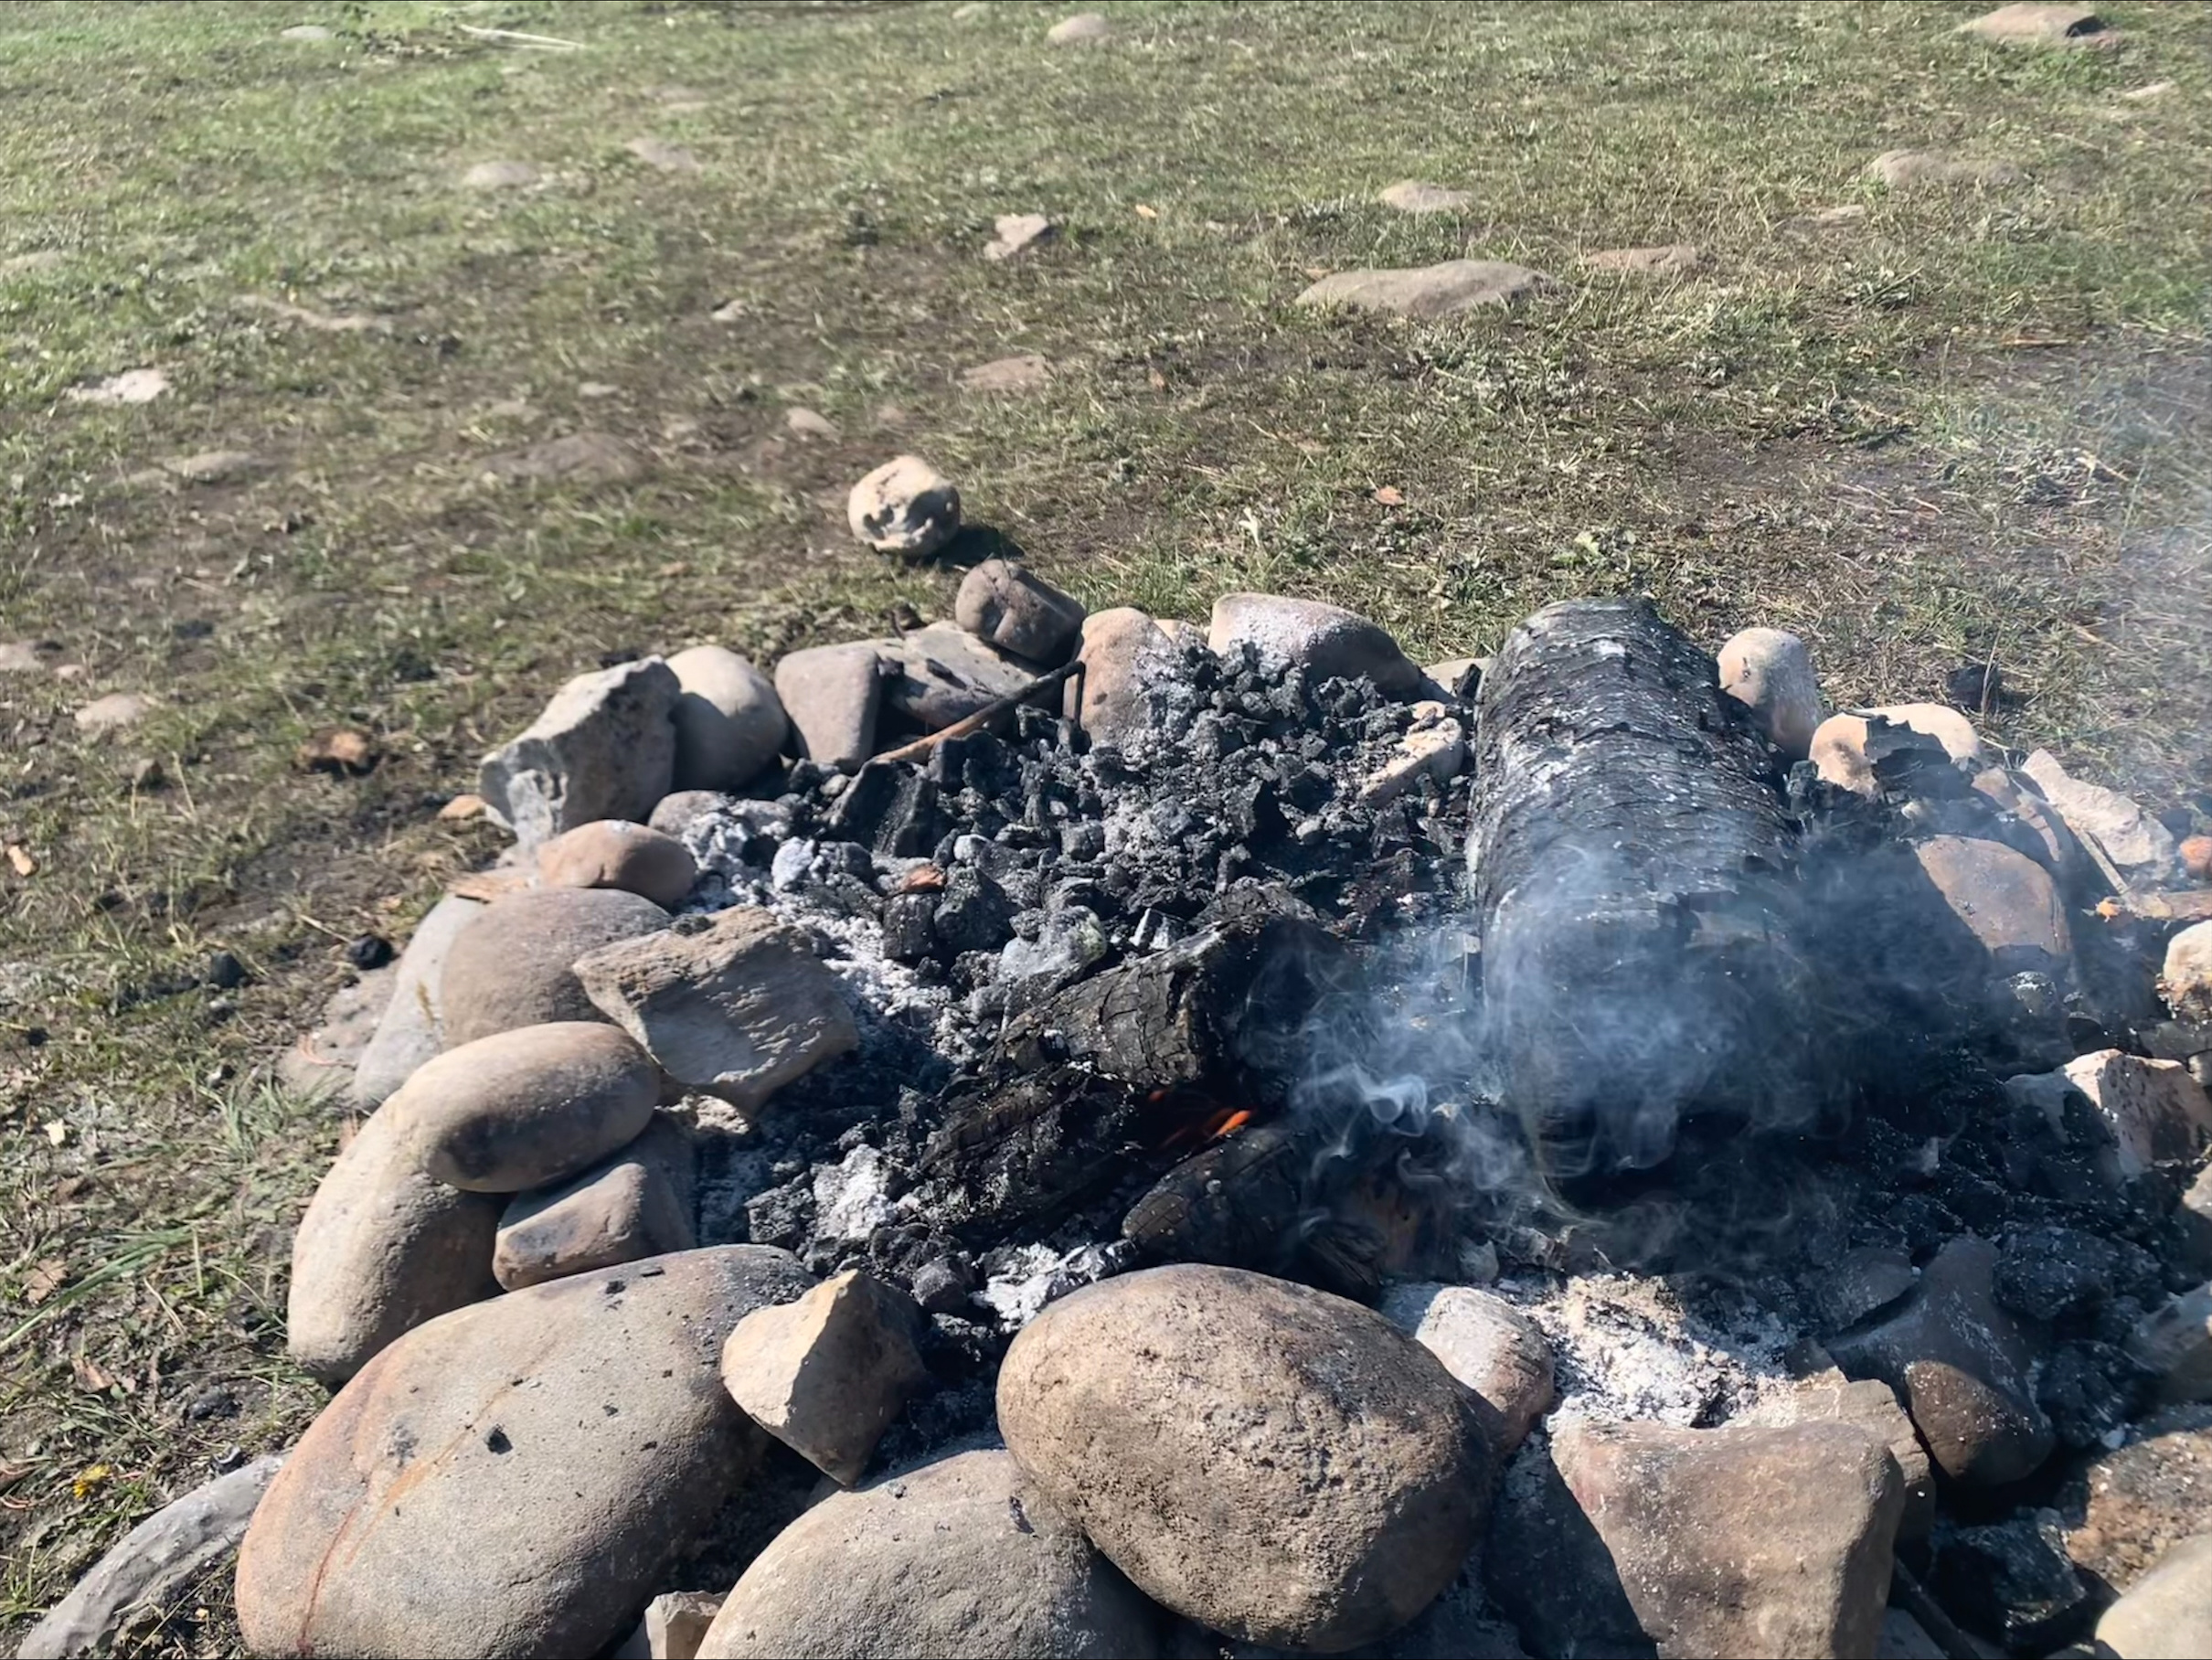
423,447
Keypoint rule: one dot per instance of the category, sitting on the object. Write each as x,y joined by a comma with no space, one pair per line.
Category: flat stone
943,674
611,853
514,965
834,694
805,423
1323,641
681,810
667,158
963,1556
2131,1505
1119,649
1906,169
1871,1405
1491,1347
1770,672
133,386
2034,24
324,1062
826,1375
1025,373
305,31
526,1108
1429,291
586,458
1641,1539
604,747
1079,29
500,175
1007,604
1963,1367
117,712
2184,979
382,1248
1014,234
517,1478
2174,1344
1674,260
738,1008
904,506
412,1028
633,1205
49,259
2150,1112
22,657
2168,1613
213,466
2004,898
1279,1464
160,1557
1412,195
2142,846
2046,840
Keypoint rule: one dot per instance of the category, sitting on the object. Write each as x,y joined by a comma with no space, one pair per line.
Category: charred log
1635,884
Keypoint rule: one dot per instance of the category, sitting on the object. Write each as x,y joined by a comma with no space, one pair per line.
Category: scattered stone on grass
589,458
38,259
500,175
2147,94
23,658
1412,195
737,1008
832,694
1025,373
633,1205
326,1061
213,466
1017,233
1908,169
904,506
321,321
2037,25
1344,1498
826,1375
1430,291
965,1555
155,1561
603,748
2167,1613
1770,672
133,386
1079,29
805,423
1671,261
1325,641
667,157
518,1477
117,712
514,965
1007,604
305,31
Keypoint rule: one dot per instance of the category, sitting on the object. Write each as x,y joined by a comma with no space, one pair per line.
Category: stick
545,40
983,717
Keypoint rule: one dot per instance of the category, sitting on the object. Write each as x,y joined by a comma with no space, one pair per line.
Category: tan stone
633,1205
1008,605
2029,24
2167,1615
1108,701
514,965
1838,746
730,722
2185,980
834,694
1770,672
1412,195
1432,290
826,1375
1489,1345
611,853
1871,1405
2005,900
1673,259
2173,1344
603,748
1323,641
2128,1507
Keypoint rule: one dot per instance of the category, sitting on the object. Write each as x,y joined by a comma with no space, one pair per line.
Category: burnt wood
1634,883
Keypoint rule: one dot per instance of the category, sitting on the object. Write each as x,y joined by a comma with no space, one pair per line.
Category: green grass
1969,423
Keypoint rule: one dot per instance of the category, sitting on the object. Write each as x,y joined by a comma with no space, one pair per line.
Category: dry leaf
342,750
44,1279
462,807
93,1377
57,1132
1390,498
1146,211
20,857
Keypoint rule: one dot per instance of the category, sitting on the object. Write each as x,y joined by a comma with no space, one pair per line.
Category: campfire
1024,1054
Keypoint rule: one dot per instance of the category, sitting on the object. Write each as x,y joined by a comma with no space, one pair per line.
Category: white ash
1033,1275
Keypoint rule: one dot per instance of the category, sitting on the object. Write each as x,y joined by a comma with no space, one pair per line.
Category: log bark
1634,874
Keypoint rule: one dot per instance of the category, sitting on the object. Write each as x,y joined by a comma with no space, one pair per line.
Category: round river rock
1277,1464
513,965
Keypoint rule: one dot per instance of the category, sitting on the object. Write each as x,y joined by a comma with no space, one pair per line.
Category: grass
1962,425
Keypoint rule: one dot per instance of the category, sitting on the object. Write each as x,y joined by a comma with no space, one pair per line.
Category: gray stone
1277,1464
324,1060
674,1625
1770,672
413,1028
382,1248
832,694
2144,848
21,658
738,1008
611,853
515,964
1902,1637
2168,1613
802,422
1008,605
1641,1539
2029,24
1412,195
1432,290
904,506
2173,1344
1083,27
633,1205
730,723
1906,169
162,1556
681,810
526,1108
1017,233
1324,641
1491,1347
667,157
305,31
584,458
943,674
1862,1281
499,176
604,747
1120,651
965,1555
826,1375
1025,372
1871,1405
1963,1367
518,1478
1433,747
117,712
1673,259
2006,900
213,466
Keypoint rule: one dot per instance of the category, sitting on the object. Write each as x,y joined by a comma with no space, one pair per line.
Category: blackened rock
907,934
973,913
225,971
941,1286
2048,1273
2088,1390
2012,1581
368,951
891,807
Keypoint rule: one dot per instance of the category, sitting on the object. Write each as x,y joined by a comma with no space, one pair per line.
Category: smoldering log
1633,873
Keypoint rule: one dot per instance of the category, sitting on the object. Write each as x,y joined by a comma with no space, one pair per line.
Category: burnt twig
983,717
